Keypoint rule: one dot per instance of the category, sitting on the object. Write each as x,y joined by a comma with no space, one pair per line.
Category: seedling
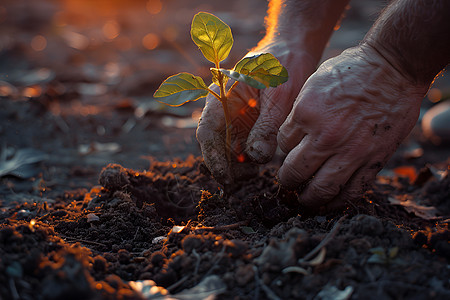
215,40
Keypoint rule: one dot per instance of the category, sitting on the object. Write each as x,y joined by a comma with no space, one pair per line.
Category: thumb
276,103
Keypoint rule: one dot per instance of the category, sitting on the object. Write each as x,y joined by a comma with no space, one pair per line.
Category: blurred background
84,71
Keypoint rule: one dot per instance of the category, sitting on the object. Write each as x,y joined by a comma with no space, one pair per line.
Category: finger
262,140
211,137
329,181
301,163
291,132
359,183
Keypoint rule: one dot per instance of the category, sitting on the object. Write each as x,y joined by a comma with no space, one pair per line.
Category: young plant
215,40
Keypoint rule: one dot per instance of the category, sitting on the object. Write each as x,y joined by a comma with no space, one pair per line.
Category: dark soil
97,206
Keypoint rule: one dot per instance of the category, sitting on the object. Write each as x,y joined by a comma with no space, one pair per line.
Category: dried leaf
318,260
424,212
406,171
333,293
208,288
177,229
21,163
295,269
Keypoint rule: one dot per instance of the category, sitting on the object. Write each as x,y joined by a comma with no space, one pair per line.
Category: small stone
436,123
92,218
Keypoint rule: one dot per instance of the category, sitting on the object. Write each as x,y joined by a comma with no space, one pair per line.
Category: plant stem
227,129
224,101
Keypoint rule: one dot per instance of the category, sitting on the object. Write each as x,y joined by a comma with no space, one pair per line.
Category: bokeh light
111,29
252,102
154,6
38,43
150,41
434,95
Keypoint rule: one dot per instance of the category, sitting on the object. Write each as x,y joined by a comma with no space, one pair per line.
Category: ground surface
94,202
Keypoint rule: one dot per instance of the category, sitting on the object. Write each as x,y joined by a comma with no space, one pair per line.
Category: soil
95,204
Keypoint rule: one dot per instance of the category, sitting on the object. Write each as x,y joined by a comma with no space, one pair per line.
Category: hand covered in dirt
349,118
256,117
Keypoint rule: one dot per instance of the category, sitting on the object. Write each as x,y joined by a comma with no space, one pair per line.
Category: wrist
393,68
302,25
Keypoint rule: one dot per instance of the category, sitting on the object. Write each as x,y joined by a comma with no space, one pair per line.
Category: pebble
436,123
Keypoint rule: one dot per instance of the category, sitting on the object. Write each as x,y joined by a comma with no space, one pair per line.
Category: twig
325,241
216,262
224,227
178,283
83,241
269,293
197,264
255,270
13,288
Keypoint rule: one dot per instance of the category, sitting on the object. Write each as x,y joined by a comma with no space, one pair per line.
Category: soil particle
114,178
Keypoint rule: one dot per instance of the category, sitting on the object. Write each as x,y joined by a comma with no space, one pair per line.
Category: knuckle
282,142
324,190
291,176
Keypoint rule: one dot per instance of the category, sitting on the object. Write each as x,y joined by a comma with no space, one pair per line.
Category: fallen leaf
406,171
208,288
295,269
21,164
333,293
424,212
177,229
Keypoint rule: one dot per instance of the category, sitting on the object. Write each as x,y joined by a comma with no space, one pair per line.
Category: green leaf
212,36
264,68
181,88
244,78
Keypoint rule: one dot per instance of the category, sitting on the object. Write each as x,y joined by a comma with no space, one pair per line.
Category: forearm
414,36
303,23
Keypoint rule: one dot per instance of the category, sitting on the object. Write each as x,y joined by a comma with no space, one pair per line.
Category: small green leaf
244,78
393,252
264,68
247,230
181,88
212,36
377,259
216,74
378,251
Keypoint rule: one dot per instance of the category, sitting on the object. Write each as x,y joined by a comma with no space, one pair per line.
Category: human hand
256,116
347,121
